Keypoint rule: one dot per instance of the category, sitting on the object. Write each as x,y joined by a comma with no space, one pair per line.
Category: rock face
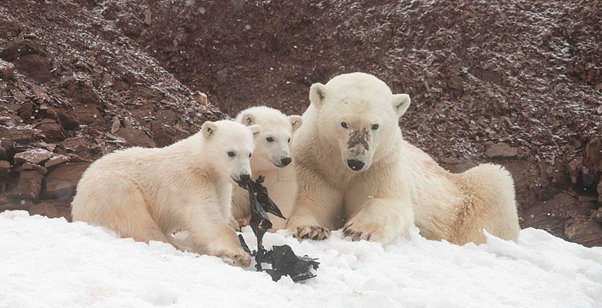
518,85
67,99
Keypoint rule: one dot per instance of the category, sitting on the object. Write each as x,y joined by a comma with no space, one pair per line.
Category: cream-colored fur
271,148
458,207
393,184
148,194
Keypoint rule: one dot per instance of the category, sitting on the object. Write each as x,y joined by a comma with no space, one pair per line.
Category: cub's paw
243,222
238,258
312,232
358,231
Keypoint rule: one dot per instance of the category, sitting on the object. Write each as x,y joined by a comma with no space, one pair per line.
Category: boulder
501,150
61,180
28,187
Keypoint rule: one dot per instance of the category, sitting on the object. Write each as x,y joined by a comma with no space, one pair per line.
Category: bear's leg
381,220
113,200
490,189
317,208
213,236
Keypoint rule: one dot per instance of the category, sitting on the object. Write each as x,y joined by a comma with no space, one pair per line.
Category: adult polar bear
148,194
355,171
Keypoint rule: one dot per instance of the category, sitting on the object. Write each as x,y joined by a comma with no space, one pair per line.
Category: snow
52,263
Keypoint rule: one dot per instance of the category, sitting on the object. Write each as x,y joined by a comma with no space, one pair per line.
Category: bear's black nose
285,161
244,178
355,165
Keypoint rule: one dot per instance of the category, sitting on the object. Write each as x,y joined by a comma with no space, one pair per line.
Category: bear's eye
250,154
289,140
231,154
269,139
344,125
375,126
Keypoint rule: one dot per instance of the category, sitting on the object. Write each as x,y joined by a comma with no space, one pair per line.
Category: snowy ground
51,263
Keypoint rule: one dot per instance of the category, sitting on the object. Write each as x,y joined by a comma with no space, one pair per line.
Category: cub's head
272,146
230,146
358,112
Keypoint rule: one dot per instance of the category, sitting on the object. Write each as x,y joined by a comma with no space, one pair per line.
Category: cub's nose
244,178
285,161
355,165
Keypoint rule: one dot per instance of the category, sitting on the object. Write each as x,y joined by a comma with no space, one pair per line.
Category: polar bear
272,159
148,194
355,171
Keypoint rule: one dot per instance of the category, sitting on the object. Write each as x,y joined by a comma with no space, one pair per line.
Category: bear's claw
241,259
356,235
312,232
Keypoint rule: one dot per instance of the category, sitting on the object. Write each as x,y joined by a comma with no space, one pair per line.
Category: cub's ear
317,93
296,122
401,102
256,130
248,119
209,128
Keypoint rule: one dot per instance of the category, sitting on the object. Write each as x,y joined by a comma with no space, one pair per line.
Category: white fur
397,184
280,180
148,194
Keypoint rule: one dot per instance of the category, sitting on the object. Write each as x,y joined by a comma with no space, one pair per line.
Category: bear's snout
244,178
355,165
285,161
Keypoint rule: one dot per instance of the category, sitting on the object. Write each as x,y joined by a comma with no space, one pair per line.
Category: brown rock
135,136
44,209
201,98
34,156
56,160
585,231
147,17
28,187
7,204
551,215
455,82
166,116
599,189
27,111
35,67
78,146
51,130
592,158
163,135
52,208
62,180
68,119
4,171
32,167
17,134
7,70
501,150
87,114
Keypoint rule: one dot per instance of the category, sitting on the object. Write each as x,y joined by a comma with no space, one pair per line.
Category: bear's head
272,146
359,113
229,146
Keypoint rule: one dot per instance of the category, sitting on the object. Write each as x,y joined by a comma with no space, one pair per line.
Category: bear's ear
256,130
296,122
209,128
401,102
248,119
317,93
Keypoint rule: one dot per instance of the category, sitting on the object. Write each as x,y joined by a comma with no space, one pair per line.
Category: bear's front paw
312,232
358,231
239,258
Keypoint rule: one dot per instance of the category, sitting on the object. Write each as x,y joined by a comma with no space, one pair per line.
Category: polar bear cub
148,194
355,172
272,158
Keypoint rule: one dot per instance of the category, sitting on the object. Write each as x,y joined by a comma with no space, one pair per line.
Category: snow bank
52,263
